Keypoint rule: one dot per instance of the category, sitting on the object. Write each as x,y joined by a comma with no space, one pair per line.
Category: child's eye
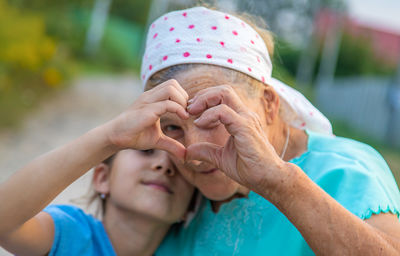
148,152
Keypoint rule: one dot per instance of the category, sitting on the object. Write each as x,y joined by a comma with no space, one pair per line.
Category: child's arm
30,189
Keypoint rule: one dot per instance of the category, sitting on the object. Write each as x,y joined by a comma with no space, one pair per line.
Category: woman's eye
170,128
173,131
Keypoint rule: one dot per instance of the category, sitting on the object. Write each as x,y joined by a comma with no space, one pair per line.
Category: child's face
146,182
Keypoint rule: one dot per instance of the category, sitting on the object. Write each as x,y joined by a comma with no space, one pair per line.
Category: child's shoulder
71,214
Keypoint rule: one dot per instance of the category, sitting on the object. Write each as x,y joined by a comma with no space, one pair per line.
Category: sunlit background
68,65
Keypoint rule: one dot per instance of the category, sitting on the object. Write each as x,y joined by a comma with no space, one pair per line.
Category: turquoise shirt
353,173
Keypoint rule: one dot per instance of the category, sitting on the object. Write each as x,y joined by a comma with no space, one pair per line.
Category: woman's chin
218,192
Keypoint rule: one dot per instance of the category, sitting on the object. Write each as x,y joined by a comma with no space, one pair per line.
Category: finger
210,97
180,89
170,106
171,146
221,114
205,151
167,91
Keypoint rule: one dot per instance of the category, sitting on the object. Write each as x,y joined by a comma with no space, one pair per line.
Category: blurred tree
68,22
290,19
30,64
135,11
357,58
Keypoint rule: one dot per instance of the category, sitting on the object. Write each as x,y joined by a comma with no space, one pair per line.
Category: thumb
171,146
205,151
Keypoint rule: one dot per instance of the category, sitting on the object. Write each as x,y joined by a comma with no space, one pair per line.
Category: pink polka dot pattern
207,36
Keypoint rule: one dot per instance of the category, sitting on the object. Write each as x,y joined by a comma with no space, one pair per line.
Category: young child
142,193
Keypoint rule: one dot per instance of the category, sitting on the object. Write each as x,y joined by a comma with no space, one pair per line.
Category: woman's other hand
247,157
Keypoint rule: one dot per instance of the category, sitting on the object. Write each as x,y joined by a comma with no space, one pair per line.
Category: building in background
366,101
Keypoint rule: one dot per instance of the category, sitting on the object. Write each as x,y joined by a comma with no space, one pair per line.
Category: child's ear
101,178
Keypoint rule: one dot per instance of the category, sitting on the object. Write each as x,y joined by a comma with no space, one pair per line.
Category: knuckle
226,89
170,89
173,82
224,107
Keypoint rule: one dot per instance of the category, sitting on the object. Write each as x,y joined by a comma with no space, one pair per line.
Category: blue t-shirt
353,173
77,233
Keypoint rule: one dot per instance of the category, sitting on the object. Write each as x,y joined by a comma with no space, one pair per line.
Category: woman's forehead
198,79
195,80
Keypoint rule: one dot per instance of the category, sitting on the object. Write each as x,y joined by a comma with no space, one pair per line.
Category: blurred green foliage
30,64
68,22
356,57
42,43
285,61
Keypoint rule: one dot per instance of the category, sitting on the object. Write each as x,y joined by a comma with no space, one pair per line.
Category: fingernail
197,120
191,100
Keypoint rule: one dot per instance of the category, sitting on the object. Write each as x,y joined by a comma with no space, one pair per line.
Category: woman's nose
196,135
164,164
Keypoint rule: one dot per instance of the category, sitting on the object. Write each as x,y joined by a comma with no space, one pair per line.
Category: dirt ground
91,101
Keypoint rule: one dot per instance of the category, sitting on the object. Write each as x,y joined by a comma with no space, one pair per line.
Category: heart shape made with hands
215,106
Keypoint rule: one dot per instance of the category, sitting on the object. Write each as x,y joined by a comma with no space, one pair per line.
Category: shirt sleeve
70,226
363,184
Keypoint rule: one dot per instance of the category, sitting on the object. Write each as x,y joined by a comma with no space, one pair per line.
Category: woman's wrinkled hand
139,126
247,157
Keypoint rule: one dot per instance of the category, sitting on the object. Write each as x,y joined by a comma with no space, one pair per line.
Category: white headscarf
201,35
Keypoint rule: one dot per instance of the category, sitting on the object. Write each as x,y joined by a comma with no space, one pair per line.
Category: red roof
385,43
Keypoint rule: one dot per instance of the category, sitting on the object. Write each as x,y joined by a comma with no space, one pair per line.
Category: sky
377,13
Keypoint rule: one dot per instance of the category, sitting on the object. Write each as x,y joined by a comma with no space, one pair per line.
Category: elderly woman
278,181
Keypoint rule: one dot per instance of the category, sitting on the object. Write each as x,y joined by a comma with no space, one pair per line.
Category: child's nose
164,164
